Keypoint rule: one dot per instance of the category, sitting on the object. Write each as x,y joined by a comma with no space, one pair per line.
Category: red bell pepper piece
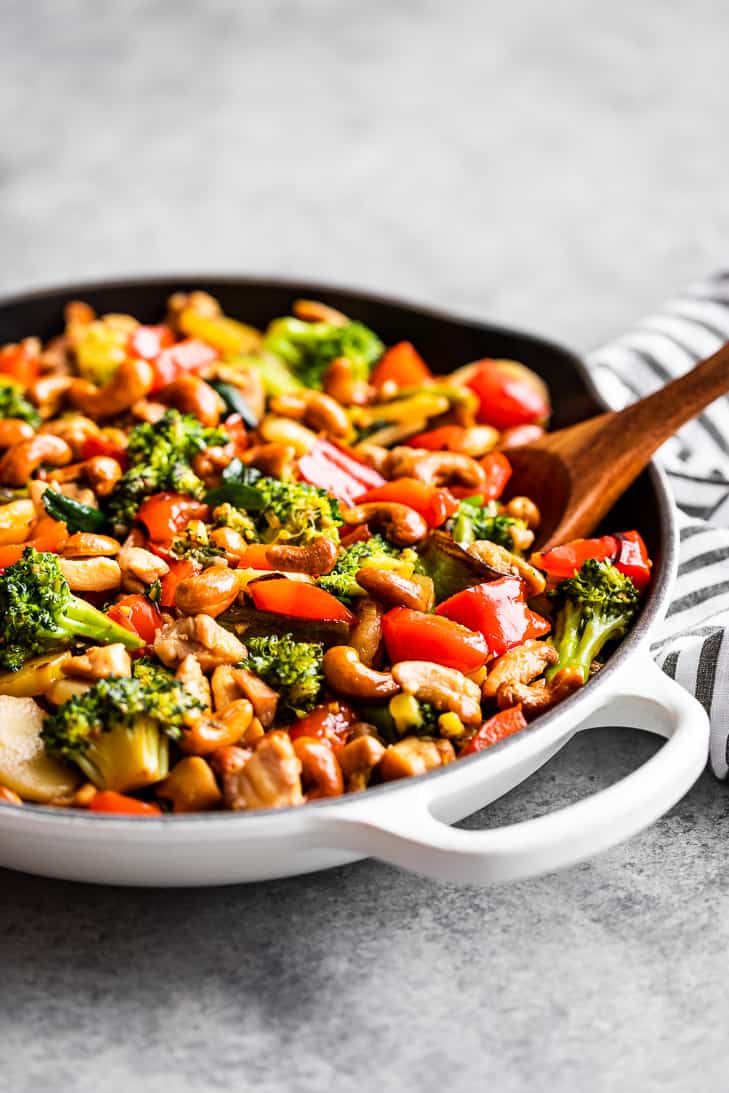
189,355
445,438
325,723
338,472
138,614
99,445
348,536
633,559
502,724
299,600
504,399
434,503
254,557
498,610
626,550
109,801
20,365
166,514
403,365
179,571
498,473
148,342
49,535
413,635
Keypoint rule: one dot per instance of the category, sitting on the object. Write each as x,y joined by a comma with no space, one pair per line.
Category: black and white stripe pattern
692,644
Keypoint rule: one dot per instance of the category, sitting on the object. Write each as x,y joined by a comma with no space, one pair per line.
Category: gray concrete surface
558,165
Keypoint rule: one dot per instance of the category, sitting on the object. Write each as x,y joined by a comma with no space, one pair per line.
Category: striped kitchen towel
692,646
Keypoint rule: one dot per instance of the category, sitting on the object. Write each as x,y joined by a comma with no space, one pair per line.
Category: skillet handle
407,834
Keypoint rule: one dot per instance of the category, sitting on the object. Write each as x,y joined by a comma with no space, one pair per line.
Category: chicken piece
262,697
190,675
99,662
415,755
270,779
201,635
139,567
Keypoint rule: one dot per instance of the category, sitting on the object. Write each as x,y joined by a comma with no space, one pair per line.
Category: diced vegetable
434,503
413,635
502,724
506,399
402,365
110,801
302,601
499,611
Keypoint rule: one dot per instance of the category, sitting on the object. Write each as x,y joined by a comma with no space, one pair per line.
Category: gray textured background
557,165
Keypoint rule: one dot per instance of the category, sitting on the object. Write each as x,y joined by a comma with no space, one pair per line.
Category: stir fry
245,569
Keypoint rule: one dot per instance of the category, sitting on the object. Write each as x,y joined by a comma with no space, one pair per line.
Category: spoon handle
654,419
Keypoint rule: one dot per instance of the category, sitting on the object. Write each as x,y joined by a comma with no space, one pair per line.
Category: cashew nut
321,773
226,727
438,468
347,675
523,508
392,590
211,591
20,461
15,521
366,634
317,557
13,430
48,393
132,380
271,459
312,311
282,430
192,395
444,688
91,574
519,665
87,544
510,565
400,524
75,429
317,410
340,384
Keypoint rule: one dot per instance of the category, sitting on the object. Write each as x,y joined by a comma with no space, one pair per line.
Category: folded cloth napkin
692,645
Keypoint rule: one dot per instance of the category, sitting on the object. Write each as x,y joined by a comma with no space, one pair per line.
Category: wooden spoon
576,475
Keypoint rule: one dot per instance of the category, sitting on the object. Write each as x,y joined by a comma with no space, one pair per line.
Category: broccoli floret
160,457
118,731
594,607
194,544
40,613
13,404
294,512
228,516
309,348
376,552
293,668
150,673
474,520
